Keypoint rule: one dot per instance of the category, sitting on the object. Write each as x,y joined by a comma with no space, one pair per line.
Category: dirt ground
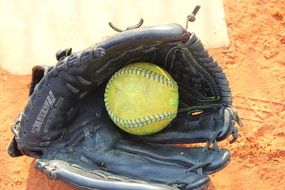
255,66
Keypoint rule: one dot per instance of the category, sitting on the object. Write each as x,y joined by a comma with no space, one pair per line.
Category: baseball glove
65,124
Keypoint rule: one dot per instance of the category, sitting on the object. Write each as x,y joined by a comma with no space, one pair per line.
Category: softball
141,98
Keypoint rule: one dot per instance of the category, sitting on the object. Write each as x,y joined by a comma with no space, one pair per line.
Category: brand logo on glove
48,104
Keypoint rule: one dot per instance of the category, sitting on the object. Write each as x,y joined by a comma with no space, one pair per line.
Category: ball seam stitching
147,74
140,122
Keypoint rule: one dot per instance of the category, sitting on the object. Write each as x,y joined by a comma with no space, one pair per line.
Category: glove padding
65,123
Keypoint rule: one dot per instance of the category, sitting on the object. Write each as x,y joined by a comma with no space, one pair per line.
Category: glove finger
93,179
144,167
211,160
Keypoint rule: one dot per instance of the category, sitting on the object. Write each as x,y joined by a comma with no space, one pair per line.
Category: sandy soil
255,66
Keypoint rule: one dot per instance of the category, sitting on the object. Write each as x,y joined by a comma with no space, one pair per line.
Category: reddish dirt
255,66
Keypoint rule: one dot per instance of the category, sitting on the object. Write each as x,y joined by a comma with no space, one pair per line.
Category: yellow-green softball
141,98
